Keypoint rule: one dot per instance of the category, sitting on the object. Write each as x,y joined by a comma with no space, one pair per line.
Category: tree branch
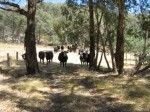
18,9
143,69
39,1
10,4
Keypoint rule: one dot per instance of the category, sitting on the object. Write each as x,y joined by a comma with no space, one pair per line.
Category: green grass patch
137,92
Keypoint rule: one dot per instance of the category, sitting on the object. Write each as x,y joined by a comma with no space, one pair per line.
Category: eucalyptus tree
99,13
76,25
15,24
90,5
3,25
59,25
119,55
43,24
29,42
143,31
91,33
47,14
106,19
11,25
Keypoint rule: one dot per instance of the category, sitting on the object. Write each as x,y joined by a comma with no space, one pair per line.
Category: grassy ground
70,89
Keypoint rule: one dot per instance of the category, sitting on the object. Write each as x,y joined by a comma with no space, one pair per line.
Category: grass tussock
137,92
29,86
89,82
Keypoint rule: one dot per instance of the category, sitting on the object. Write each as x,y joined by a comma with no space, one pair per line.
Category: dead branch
142,70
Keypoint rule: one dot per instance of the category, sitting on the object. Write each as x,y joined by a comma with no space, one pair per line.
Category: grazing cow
69,48
74,47
87,58
24,56
42,56
56,48
81,50
63,58
84,57
62,48
49,56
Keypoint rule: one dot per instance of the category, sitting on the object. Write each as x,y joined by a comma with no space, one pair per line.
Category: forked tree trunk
98,22
119,57
31,55
137,68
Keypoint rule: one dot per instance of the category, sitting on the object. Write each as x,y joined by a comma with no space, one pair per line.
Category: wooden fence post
8,59
17,56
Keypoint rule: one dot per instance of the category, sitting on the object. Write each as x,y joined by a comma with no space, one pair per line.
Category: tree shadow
58,78
79,103
26,104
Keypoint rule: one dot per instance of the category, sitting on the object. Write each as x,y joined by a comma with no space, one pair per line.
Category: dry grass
70,89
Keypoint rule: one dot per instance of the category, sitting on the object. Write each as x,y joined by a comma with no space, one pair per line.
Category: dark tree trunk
91,34
119,56
30,44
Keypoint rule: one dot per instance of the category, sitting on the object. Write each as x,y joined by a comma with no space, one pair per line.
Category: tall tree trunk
31,55
119,57
110,37
91,34
98,21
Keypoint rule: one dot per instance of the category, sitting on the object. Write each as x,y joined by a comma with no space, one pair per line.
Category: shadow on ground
56,94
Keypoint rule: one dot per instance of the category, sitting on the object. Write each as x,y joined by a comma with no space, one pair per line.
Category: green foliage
76,23
134,34
132,43
11,23
55,40
46,15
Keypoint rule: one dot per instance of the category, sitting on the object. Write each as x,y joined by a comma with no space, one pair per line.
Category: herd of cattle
63,57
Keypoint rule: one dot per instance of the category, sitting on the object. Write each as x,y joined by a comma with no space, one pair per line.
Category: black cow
74,47
62,57
56,48
24,56
62,48
87,58
41,56
69,48
49,56
84,58
81,50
